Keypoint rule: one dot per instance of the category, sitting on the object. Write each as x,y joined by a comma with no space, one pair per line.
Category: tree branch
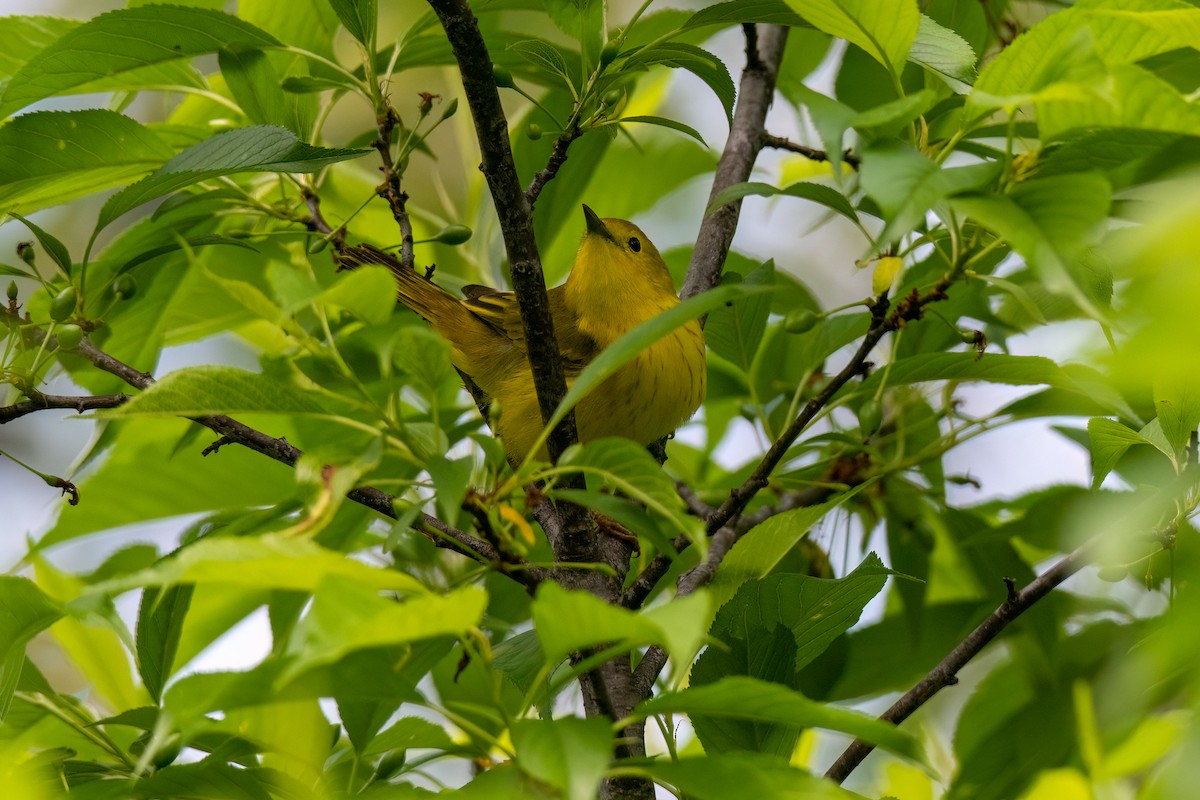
234,432
40,402
945,673
764,53
514,212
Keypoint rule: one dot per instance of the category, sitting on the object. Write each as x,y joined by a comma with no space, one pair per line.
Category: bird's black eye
634,244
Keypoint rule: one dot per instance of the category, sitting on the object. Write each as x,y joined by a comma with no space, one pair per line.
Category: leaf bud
609,53
63,306
503,77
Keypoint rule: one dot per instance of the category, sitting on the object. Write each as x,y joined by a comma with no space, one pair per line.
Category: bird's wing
500,310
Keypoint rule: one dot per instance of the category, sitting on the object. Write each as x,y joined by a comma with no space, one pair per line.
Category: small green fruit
63,306
612,97
451,107
1114,573
317,245
453,234
12,290
533,131
124,287
870,417
69,336
800,320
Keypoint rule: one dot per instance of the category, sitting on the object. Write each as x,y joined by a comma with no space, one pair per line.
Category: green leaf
1109,441
51,157
629,467
942,51
1046,61
161,615
758,552
736,12
359,17
740,697
664,122
53,247
906,184
886,119
1177,398
408,732
25,611
257,149
174,480
771,629
210,779
368,293
816,192
816,610
260,148
567,621
255,86
735,331
210,389
570,754
885,29
348,615
123,40
696,60
720,776
583,21
190,242
451,477
1050,221
543,55
270,561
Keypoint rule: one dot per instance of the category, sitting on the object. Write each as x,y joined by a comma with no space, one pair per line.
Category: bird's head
615,257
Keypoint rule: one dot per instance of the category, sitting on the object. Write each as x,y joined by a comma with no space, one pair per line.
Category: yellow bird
618,281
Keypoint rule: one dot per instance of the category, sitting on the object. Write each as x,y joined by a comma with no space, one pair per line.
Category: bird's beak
596,226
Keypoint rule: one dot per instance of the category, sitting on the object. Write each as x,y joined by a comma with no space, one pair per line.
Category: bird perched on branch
618,281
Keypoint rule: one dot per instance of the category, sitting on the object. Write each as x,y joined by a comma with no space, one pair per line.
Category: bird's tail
440,308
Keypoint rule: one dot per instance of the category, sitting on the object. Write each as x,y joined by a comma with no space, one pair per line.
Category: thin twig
558,157
390,189
40,402
316,221
811,153
945,673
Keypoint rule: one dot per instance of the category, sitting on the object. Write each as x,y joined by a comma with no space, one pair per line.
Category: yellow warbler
618,281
